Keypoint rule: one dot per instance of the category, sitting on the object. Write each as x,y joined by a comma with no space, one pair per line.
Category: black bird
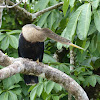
31,45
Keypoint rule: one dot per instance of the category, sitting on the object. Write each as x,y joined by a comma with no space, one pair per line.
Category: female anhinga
31,45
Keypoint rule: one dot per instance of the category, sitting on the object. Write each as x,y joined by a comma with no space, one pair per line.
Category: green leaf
43,19
95,4
31,88
59,45
48,98
81,78
69,31
12,96
5,43
65,6
13,41
62,95
98,42
14,86
84,21
1,90
41,5
4,96
14,32
92,29
17,91
49,86
33,94
64,68
2,35
71,26
93,44
92,80
97,19
55,97
81,56
8,82
98,78
58,18
39,89
51,19
57,87
72,3
47,58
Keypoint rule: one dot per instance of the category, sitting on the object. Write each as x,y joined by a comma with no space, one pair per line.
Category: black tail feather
30,79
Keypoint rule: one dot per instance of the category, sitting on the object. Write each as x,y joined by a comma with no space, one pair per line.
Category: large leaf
98,42
4,96
64,68
72,3
97,78
39,89
95,4
57,87
71,26
92,28
5,43
69,31
97,19
93,44
84,21
2,35
47,58
92,80
51,19
49,86
12,96
58,18
55,97
8,82
65,6
41,5
33,94
13,41
43,19
14,32
1,90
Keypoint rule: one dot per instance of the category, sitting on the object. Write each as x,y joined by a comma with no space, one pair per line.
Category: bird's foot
37,61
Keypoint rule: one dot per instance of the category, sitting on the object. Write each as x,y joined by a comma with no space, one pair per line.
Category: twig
25,66
48,9
71,68
6,6
1,11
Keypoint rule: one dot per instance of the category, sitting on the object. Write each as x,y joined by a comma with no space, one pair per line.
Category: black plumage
32,51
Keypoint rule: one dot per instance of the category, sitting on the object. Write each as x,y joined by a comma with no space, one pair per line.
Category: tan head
33,33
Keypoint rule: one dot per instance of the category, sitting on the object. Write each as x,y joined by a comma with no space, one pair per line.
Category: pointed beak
73,45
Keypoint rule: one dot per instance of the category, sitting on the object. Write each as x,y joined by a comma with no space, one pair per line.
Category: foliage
77,20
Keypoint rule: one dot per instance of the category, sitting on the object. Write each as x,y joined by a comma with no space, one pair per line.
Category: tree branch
25,15
6,6
25,66
48,9
1,11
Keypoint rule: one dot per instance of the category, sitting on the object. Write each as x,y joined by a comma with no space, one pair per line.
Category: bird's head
33,33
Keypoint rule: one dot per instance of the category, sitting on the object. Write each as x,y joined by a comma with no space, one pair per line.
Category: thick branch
25,15
25,66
